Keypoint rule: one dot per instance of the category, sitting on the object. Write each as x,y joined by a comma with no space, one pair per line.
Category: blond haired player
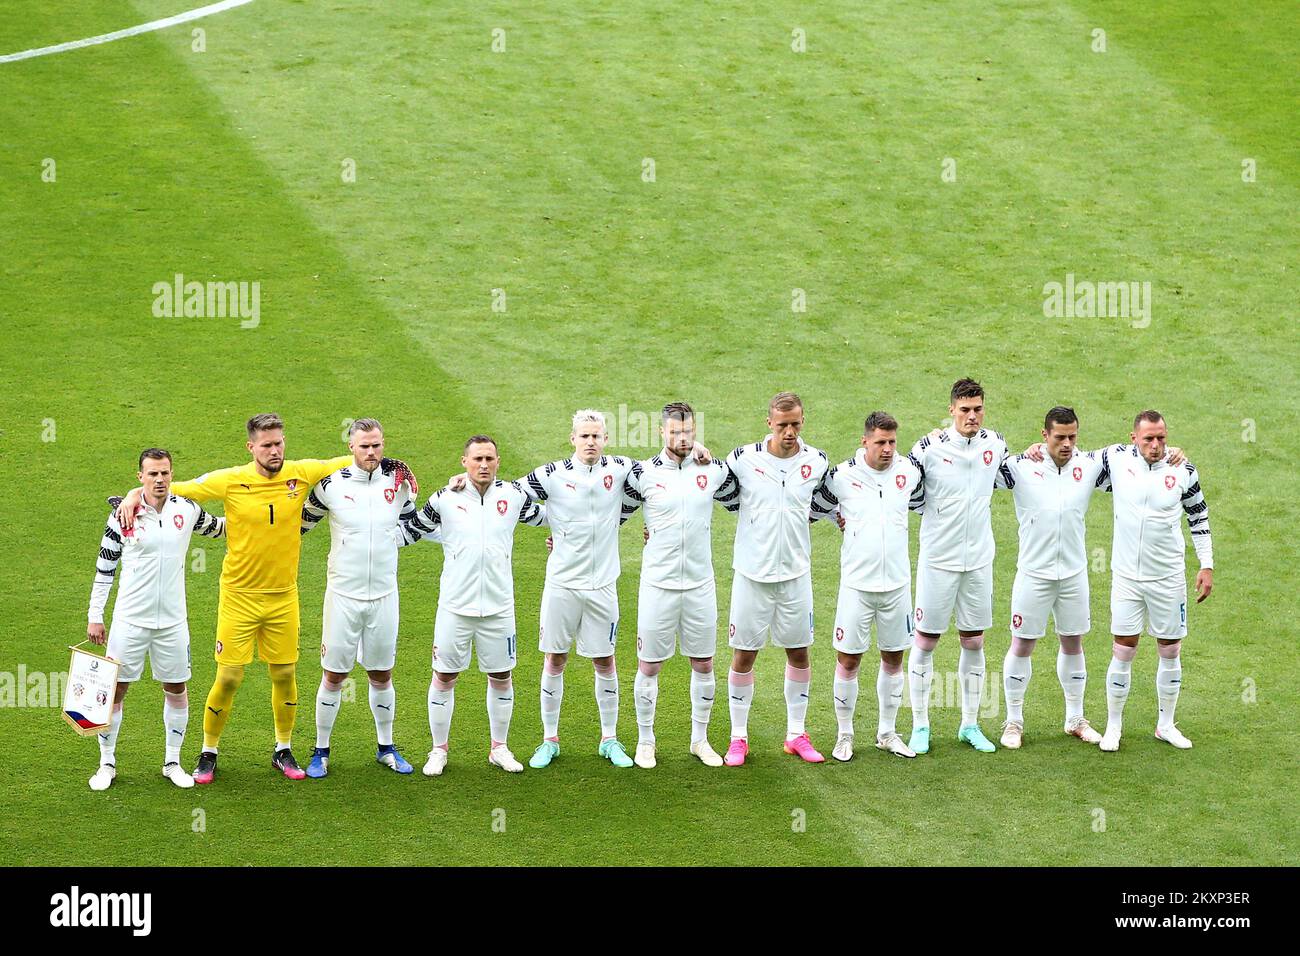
259,578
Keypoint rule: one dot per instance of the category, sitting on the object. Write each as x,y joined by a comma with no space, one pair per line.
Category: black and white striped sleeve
824,500
1103,476
313,509
530,512
917,455
210,526
632,487
110,553
1198,519
426,522
728,493
535,484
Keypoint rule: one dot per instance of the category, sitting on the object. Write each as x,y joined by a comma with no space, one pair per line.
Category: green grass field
774,171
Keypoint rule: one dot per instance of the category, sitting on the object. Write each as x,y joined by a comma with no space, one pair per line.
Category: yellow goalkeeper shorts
267,618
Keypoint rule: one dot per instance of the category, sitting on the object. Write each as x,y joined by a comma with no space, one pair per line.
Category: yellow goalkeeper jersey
263,519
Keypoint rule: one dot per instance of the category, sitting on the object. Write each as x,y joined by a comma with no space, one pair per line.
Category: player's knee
1125,651
702,665
229,677
846,665
1071,645
380,680
971,640
604,665
926,641
1169,650
555,663
333,680
119,692
891,662
1020,647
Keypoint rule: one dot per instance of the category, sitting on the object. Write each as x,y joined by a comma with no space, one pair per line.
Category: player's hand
701,454
401,472
839,520
457,482
1204,584
934,434
127,509
550,544
96,633
1036,451
645,535
1175,456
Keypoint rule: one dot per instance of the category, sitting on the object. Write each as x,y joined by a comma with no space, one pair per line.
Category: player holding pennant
258,604
149,616
365,510
476,595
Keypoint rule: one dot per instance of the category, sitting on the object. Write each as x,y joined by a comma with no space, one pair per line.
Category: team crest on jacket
501,506
805,471
291,484
178,521
988,456
702,481
609,482
901,481
1170,481
1078,474
390,494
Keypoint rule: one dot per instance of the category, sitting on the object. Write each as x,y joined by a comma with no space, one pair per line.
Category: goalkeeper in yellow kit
259,578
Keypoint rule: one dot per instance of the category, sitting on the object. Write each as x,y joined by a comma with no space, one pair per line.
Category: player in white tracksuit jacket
771,590
366,502
476,595
1148,567
149,616
677,598
954,572
872,493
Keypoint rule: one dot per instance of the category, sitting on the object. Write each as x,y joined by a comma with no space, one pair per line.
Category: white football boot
894,744
1172,735
1079,727
437,762
500,756
103,777
708,756
843,748
176,774
645,756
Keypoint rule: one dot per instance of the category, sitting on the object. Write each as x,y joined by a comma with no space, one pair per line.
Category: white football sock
176,716
327,711
1118,677
1073,675
703,689
970,674
1016,672
441,704
845,690
920,673
1169,680
798,681
645,691
552,696
108,739
889,690
740,691
607,703
383,701
500,708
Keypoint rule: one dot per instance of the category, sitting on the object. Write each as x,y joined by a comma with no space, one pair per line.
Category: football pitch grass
773,171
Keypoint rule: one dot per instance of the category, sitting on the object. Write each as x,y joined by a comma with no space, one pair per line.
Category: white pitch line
128,32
